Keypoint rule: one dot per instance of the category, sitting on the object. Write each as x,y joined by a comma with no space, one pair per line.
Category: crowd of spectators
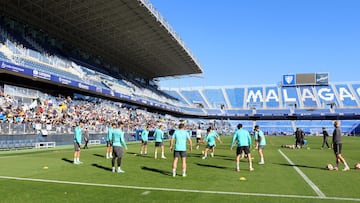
59,114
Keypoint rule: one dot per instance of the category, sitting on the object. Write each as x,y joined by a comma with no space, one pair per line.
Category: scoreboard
305,79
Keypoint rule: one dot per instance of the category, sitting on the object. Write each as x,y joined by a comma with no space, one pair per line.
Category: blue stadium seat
272,97
308,96
194,97
175,94
3,144
236,97
255,96
346,96
326,96
289,96
215,97
193,110
239,112
214,111
270,112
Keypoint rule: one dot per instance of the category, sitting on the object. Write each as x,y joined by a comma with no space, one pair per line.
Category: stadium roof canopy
130,34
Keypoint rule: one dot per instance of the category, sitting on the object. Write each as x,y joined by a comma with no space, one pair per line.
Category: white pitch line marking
180,190
307,180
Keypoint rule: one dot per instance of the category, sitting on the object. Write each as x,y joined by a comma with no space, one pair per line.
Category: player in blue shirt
261,143
178,144
243,139
144,140
118,143
159,137
108,141
211,137
77,142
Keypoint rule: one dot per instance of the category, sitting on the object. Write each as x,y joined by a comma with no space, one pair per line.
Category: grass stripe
180,190
307,180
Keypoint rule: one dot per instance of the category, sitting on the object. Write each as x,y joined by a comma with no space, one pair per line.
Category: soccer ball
357,166
330,167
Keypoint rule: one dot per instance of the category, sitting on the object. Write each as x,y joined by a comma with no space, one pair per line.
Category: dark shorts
210,146
159,144
181,154
337,148
143,142
118,151
76,146
198,139
240,150
108,144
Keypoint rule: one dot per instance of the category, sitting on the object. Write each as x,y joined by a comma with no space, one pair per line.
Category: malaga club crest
289,79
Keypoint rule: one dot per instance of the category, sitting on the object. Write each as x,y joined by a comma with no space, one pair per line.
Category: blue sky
249,42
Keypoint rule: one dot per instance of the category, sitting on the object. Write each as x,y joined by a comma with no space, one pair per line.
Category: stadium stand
346,95
272,101
215,98
236,97
109,80
195,98
278,127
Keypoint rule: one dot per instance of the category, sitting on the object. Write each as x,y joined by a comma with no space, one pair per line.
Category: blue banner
15,68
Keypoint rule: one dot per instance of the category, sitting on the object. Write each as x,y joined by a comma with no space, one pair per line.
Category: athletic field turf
287,176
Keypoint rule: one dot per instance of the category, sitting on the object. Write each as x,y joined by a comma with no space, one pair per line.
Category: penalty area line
179,190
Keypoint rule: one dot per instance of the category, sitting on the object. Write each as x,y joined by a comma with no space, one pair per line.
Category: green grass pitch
24,179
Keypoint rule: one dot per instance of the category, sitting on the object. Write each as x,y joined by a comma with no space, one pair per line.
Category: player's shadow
300,166
228,158
167,173
145,156
140,155
211,166
131,153
193,155
102,167
219,155
99,155
67,160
